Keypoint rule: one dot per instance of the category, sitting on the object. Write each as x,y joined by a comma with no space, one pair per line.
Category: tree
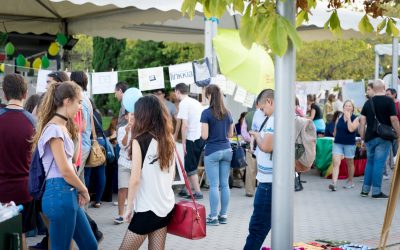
261,24
82,54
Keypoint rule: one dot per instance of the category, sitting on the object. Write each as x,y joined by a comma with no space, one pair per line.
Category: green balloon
45,62
21,60
9,49
61,39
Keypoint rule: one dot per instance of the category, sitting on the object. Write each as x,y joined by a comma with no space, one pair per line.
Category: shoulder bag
97,156
188,218
384,131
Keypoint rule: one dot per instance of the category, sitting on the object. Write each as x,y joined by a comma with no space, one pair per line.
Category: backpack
305,144
37,176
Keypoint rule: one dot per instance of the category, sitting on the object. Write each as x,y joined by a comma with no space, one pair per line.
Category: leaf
277,38
381,26
389,27
262,28
364,25
395,30
238,5
300,18
312,4
246,31
189,6
217,8
292,33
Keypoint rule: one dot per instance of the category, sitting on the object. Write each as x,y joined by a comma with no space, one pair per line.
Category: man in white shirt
338,105
190,112
260,222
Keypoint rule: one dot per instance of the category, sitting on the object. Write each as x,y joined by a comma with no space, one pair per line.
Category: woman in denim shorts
344,145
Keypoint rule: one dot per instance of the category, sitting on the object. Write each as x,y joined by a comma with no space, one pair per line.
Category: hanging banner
355,92
181,73
42,81
240,95
151,78
230,87
249,101
104,82
194,89
220,81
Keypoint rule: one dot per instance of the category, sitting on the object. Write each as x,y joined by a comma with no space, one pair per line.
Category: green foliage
82,54
106,52
262,25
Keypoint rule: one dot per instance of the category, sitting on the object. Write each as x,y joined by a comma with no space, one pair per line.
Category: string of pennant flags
196,74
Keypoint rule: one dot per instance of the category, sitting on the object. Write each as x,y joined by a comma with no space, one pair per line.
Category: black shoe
380,196
183,193
99,236
196,196
363,194
298,186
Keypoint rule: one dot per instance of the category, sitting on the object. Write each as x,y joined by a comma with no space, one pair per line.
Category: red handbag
189,218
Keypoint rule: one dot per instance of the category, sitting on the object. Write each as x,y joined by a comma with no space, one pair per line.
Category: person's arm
312,114
134,181
177,128
395,124
361,129
230,131
244,133
204,131
66,170
126,135
353,125
184,130
266,143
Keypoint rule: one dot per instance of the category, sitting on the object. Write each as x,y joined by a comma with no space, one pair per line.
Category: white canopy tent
390,50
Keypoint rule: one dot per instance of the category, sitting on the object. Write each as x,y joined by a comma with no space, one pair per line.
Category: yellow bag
97,156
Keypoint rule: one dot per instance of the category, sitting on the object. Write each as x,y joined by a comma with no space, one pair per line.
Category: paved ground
318,214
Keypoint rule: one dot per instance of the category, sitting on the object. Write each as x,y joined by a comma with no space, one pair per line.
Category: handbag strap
262,124
186,181
99,125
373,109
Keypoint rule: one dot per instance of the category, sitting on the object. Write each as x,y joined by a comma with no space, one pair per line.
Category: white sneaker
386,177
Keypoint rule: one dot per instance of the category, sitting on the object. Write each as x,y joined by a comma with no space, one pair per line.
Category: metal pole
376,66
214,32
283,189
395,62
208,50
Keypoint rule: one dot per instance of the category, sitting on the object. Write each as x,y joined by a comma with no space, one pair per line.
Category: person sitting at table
330,125
344,145
315,114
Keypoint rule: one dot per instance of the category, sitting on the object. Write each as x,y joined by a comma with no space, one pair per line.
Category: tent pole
395,62
214,32
376,66
283,162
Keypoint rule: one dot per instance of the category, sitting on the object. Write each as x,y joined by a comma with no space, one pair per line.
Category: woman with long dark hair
64,191
216,128
150,195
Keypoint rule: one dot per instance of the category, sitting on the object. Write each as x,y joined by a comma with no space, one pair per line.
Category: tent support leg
395,62
283,186
376,66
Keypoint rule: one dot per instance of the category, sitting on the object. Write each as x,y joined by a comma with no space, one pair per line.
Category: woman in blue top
216,128
344,144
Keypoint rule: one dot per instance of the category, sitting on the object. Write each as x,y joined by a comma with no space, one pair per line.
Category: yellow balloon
2,67
37,63
54,49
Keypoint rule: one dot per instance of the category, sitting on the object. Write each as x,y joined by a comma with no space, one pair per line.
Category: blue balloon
130,97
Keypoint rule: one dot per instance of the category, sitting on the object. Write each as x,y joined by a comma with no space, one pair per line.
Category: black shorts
146,222
192,157
29,216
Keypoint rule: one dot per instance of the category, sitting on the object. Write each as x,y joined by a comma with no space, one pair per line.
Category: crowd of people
63,123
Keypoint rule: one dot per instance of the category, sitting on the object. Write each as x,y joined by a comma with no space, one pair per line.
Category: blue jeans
377,153
260,222
67,220
100,173
218,168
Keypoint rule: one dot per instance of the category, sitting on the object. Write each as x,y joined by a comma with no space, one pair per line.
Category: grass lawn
106,122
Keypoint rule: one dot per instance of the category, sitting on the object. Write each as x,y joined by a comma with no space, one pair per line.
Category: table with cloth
323,159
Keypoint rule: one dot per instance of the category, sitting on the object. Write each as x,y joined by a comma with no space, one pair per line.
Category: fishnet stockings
133,241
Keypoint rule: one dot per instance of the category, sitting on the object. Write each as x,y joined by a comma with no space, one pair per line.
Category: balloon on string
21,60
27,64
37,63
130,97
10,49
2,67
45,62
61,39
54,49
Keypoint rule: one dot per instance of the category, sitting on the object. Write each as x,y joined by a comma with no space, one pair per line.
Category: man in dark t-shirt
377,148
17,127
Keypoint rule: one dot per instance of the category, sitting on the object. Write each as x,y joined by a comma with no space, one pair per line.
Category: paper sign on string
181,73
104,82
151,78
42,81
249,101
240,95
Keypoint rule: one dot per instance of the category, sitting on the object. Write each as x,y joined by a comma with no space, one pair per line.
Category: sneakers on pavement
349,186
363,194
196,196
380,196
118,220
222,219
332,187
212,221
